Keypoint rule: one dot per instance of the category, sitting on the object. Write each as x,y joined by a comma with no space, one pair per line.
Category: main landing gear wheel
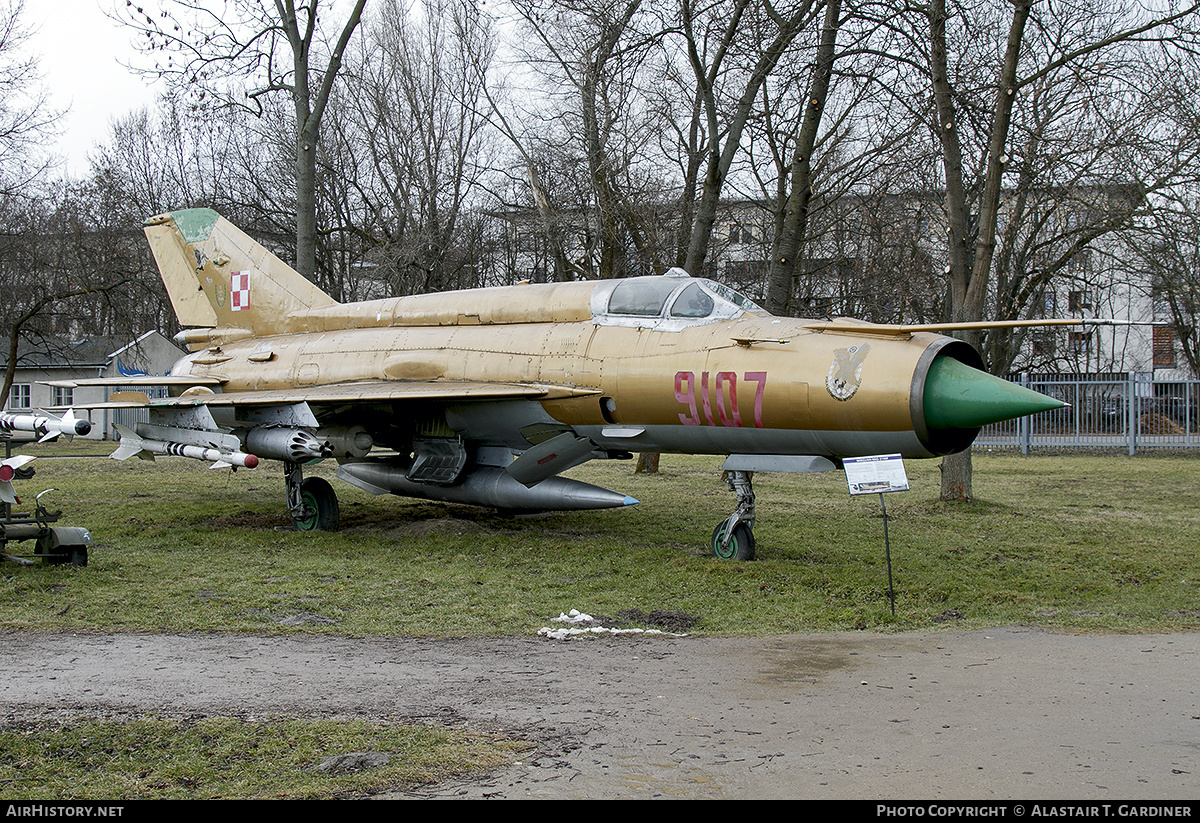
740,545
320,506
733,538
311,501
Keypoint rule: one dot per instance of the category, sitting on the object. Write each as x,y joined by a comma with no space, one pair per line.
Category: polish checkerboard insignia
239,290
845,372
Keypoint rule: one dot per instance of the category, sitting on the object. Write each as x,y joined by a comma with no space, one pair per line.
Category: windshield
692,302
668,302
735,297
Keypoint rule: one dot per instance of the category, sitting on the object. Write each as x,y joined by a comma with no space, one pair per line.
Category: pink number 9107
717,394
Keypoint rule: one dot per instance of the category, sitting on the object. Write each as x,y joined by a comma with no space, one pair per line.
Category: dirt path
1005,713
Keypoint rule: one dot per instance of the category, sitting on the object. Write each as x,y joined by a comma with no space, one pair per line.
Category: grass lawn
1077,543
1074,543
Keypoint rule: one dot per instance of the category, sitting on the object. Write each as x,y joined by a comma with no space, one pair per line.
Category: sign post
878,474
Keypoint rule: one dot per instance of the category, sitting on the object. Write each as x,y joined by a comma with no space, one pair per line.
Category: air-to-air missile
134,445
486,396
8,471
47,427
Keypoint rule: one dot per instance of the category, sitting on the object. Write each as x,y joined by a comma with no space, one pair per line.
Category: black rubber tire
741,546
318,496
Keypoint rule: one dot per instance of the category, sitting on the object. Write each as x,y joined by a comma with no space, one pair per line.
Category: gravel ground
1006,713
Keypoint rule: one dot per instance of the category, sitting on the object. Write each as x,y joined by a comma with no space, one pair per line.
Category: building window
18,396
1080,342
1080,262
742,271
1164,347
1044,341
739,235
63,396
1077,301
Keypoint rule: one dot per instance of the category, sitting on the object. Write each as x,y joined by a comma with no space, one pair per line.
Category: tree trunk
306,206
10,368
780,281
956,477
970,249
310,109
720,158
647,463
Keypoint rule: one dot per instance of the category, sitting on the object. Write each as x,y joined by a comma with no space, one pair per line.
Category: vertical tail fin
217,276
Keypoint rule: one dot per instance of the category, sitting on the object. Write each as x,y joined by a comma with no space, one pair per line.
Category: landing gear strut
733,538
312,503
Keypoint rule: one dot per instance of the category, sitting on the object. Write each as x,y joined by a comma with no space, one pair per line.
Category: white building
151,353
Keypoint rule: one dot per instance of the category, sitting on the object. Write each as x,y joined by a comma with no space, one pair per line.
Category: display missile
8,470
486,486
133,445
47,427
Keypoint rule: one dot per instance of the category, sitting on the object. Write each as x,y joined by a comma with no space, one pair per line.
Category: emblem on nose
845,372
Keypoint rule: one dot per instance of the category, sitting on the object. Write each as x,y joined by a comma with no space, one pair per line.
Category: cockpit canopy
671,301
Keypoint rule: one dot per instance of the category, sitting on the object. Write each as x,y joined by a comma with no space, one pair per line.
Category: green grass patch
1073,543
224,757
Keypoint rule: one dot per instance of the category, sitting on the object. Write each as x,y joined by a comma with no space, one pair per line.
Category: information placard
875,474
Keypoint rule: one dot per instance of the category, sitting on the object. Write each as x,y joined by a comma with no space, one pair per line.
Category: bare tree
232,161
597,123
32,296
67,271
1166,252
733,46
974,105
648,112
793,217
237,54
866,256
26,117
155,160
410,143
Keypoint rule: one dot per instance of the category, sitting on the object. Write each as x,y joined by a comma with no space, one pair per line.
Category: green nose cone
960,397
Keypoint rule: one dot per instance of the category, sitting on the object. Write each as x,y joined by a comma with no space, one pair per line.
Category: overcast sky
80,50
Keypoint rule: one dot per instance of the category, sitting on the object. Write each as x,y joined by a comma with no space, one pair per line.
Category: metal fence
1122,411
